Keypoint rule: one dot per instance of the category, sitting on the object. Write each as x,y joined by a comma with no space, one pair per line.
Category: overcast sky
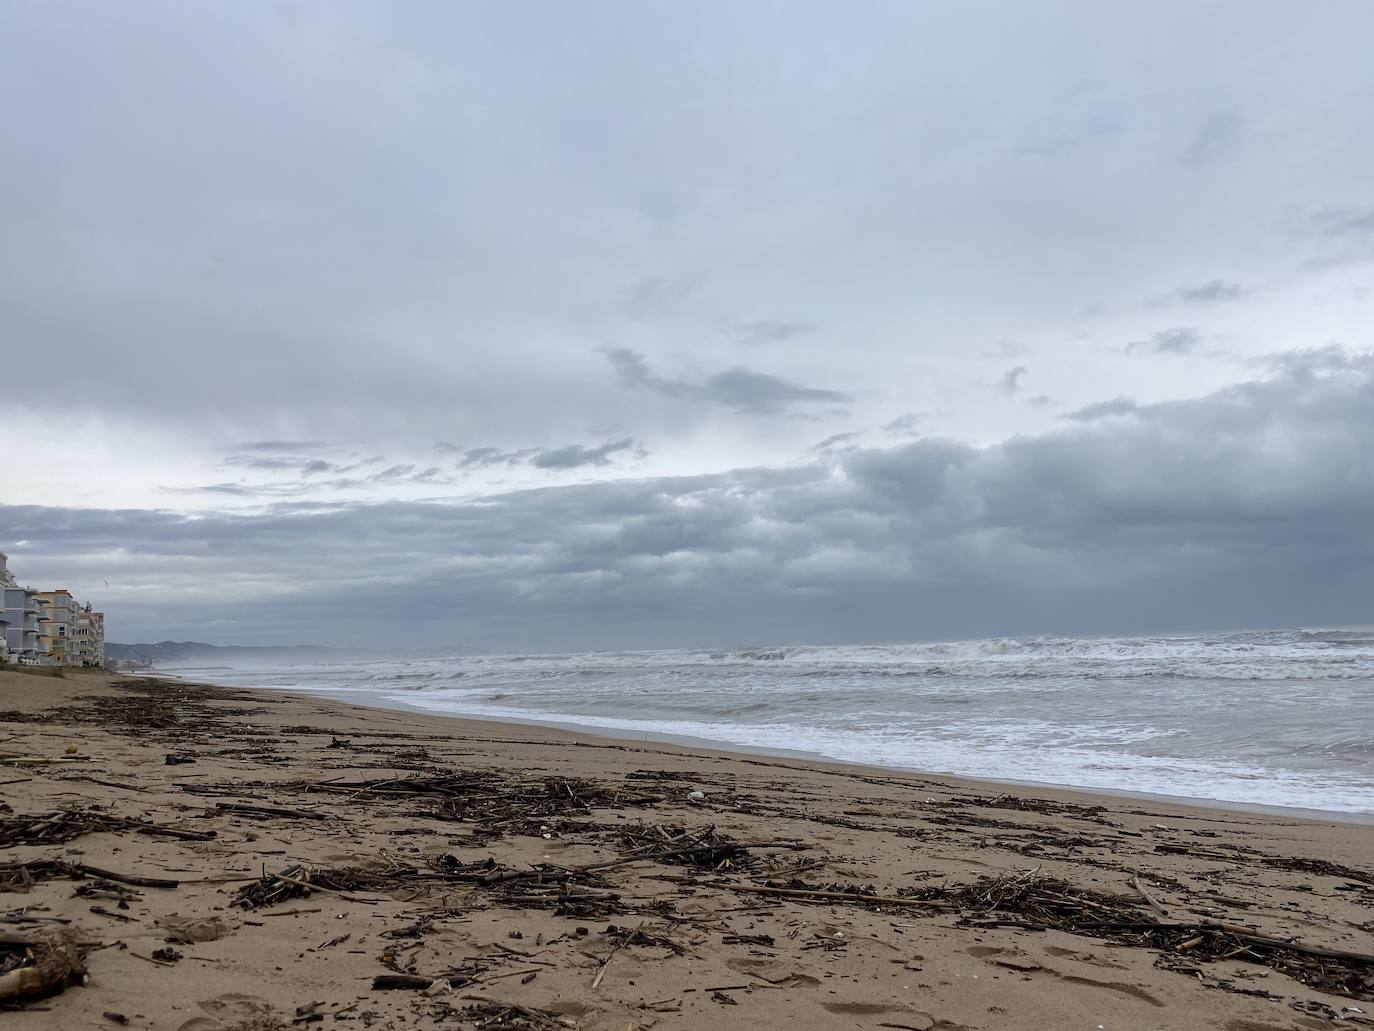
548,325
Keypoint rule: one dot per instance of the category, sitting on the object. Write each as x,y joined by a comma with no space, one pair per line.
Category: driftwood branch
1159,910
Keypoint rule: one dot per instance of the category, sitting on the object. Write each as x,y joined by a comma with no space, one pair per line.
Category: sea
1270,717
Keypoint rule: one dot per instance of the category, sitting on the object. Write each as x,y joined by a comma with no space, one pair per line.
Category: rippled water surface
1274,717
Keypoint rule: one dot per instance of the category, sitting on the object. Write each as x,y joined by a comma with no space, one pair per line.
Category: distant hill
179,653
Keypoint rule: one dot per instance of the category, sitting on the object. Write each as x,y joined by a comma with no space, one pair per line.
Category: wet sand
537,878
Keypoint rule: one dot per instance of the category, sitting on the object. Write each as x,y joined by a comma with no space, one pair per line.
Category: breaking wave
1280,717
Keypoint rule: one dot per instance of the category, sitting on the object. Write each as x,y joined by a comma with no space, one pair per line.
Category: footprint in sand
1014,959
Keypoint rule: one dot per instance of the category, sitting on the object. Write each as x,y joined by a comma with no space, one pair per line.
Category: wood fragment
402,982
1159,910
54,961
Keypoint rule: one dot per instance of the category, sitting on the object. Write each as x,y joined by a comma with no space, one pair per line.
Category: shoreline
697,745
294,856
735,749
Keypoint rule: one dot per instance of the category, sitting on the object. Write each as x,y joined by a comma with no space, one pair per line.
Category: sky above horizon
537,325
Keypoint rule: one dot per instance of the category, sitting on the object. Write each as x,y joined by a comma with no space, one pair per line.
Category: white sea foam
1274,717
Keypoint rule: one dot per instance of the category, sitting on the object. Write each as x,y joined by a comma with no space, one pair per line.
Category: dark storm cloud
308,477
740,389
484,457
569,456
302,465
1104,524
1179,340
574,456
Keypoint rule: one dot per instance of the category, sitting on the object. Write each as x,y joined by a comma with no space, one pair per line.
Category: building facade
88,638
55,635
23,619
47,627
6,581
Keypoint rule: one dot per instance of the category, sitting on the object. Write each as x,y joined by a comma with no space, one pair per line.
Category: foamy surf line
1273,718
379,700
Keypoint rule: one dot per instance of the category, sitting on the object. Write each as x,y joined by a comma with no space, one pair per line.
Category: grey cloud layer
1249,506
1180,340
419,220
740,389
569,456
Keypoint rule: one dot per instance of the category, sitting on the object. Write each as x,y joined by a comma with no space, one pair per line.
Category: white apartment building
6,580
47,627
88,638
21,616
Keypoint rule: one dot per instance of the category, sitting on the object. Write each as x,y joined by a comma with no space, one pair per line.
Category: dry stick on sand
1159,910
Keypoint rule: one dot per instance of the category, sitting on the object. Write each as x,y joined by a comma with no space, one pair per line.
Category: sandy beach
233,859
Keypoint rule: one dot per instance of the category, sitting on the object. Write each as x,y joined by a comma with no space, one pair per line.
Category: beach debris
183,930
99,888
1158,909
1046,903
496,802
1241,854
835,893
706,849
39,963
263,812
403,982
60,827
488,1015
646,938
19,876
302,880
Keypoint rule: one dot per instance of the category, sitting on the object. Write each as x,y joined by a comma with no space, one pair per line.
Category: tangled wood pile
496,802
301,880
62,826
706,849
1046,903
500,1016
567,892
20,876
